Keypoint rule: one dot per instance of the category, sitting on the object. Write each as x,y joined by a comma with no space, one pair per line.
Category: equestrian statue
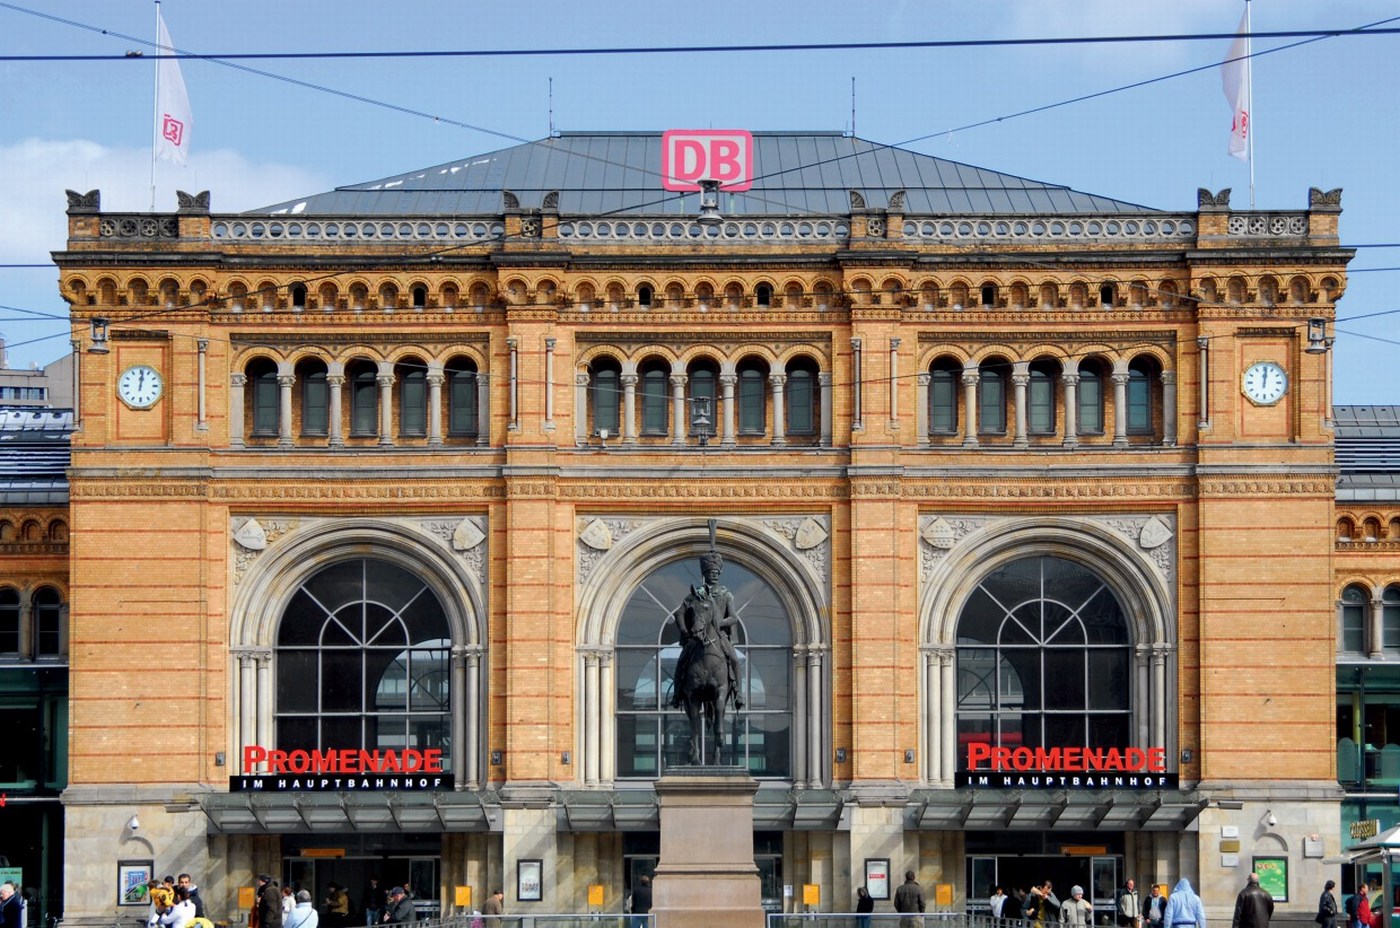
707,671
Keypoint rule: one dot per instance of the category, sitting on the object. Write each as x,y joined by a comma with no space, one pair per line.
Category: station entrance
1016,861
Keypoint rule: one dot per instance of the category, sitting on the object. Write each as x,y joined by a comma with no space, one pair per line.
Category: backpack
1350,906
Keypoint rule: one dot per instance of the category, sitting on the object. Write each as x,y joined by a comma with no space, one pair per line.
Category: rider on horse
707,614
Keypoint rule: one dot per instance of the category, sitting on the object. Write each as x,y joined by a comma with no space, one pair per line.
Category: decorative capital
1206,200
193,202
1331,199
90,202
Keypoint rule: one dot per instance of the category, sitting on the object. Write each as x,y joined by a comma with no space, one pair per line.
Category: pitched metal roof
1368,453
34,456
796,173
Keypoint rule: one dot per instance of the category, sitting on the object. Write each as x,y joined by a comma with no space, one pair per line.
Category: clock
140,386
1265,383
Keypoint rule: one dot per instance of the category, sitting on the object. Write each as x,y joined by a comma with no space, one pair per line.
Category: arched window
655,381
363,662
1090,398
315,398
462,413
420,296
48,622
412,378
9,622
262,380
606,395
753,399
943,383
1390,619
991,399
298,295
763,295
644,293
801,397
1355,603
651,735
1040,398
364,399
1043,660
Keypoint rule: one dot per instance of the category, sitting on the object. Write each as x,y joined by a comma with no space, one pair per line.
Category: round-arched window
651,734
363,661
1043,660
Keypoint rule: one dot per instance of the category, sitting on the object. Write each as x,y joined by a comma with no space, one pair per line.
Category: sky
1325,113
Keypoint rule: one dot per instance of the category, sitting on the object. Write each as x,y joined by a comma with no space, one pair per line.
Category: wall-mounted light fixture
1318,342
1186,755
709,204
701,425
909,755
99,336
840,755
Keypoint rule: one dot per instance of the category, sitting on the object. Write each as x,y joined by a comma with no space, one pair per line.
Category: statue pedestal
706,876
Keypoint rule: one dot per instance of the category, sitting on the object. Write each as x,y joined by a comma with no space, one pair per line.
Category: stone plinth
706,876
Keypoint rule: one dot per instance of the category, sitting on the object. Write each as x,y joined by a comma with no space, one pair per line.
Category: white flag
173,119
1234,77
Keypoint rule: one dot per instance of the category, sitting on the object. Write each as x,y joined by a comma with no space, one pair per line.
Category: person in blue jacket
1184,907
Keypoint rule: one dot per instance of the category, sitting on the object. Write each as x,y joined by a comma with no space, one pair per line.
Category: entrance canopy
1065,810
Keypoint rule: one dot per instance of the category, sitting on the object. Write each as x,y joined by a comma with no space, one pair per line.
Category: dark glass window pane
1109,682
801,403
974,728
752,402
299,733
9,621
1139,402
462,403
266,402
638,747
1064,679
413,403
637,684
1090,402
767,744
769,685
943,402
1109,731
1353,628
991,402
1041,403
654,402
315,404
342,681
364,403
606,397
297,681
981,619
429,676
1019,679
1064,730
977,682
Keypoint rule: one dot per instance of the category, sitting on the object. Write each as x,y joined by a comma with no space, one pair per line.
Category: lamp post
701,425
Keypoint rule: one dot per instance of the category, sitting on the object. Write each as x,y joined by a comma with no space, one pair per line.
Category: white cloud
37,171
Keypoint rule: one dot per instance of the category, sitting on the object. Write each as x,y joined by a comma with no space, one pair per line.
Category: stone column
513,344
970,377
284,408
779,409
933,717
921,408
202,423
77,381
592,722
1020,379
1139,690
857,388
483,409
800,735
1377,628
335,380
549,383
246,711
629,408
263,657
385,379
458,684
1071,382
729,413
1203,353
236,383
828,431
680,425
1158,698
581,407
1169,409
1120,409
435,378
947,673
815,742
471,746
894,383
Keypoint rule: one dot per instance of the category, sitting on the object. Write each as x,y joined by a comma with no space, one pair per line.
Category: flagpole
1249,77
155,109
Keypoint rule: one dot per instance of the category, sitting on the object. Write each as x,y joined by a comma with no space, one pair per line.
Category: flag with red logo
1234,78
173,119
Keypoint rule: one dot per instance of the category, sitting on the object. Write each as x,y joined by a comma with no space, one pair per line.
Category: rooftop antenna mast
853,106
551,107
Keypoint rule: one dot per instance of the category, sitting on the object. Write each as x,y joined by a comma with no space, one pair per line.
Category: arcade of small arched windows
1368,528
652,397
33,622
411,398
419,294
28,530
1099,397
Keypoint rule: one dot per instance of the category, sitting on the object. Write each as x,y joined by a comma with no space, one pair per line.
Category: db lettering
689,156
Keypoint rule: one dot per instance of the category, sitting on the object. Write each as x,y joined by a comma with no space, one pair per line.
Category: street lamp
700,424
1318,342
709,204
99,336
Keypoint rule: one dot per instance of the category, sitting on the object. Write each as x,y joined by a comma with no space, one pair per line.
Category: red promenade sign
689,156
1065,768
335,769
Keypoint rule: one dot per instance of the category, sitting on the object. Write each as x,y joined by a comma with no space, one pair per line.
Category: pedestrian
908,900
185,881
997,903
495,904
1184,907
289,902
1156,906
1076,910
1253,906
865,904
267,906
1129,906
373,900
161,901
400,908
1041,906
11,906
1327,907
641,901
337,906
182,912
304,914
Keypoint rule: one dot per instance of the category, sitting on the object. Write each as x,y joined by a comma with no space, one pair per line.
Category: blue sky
1325,113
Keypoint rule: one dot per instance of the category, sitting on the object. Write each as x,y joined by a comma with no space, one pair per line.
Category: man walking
1129,907
1253,906
908,900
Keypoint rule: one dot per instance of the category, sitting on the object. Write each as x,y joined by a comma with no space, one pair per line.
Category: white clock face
1265,383
140,386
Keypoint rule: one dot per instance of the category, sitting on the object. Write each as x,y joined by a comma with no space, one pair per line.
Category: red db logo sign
689,156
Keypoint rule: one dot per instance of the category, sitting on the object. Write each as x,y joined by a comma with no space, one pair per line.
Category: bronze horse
704,692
